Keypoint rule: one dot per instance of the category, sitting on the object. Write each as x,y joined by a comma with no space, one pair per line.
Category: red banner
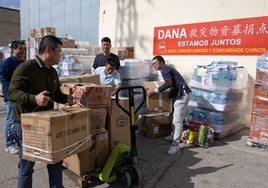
229,37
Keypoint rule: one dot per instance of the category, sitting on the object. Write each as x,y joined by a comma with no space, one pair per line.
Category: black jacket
174,81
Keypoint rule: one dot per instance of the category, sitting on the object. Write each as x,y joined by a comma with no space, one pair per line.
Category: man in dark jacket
34,87
179,94
8,66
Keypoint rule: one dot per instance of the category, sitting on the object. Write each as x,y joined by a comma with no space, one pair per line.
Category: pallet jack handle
131,112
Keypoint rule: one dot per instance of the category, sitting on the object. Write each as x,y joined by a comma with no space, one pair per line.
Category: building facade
79,19
9,25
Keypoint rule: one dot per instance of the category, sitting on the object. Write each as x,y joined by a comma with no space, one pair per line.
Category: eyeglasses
154,63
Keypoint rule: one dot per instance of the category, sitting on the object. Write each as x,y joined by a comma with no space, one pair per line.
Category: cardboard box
261,91
41,32
119,124
52,135
67,43
258,135
125,53
98,119
92,95
259,103
85,78
157,102
154,125
261,76
89,159
259,118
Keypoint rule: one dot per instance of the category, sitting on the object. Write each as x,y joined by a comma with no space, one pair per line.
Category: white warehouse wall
132,22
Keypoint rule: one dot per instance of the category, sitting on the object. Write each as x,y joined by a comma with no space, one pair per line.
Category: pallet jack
122,163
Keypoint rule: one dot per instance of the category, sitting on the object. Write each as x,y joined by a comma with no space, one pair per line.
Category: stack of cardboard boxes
259,117
156,122
50,136
108,122
82,135
32,42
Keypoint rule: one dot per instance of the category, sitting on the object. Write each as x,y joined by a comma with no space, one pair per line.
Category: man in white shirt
109,75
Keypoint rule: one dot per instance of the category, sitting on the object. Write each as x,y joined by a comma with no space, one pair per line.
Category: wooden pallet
87,180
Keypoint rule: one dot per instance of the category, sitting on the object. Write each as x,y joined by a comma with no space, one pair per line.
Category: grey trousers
179,114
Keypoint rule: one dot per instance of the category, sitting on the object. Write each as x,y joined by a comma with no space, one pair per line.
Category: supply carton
157,102
98,119
91,158
154,125
41,32
119,123
92,95
85,78
51,136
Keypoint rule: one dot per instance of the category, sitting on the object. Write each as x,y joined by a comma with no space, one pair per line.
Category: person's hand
42,98
150,92
70,100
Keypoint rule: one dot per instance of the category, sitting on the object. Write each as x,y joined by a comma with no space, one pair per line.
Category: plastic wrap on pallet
220,76
134,68
212,117
71,66
262,61
134,82
219,101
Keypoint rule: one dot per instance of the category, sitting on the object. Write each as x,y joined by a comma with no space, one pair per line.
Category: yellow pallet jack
122,163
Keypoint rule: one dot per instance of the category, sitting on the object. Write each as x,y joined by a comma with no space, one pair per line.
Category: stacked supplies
219,92
259,129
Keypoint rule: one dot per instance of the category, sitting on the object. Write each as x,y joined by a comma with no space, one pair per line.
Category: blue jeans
26,167
9,137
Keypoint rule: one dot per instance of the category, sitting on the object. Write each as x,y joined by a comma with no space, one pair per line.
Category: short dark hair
15,44
106,39
111,61
159,58
49,41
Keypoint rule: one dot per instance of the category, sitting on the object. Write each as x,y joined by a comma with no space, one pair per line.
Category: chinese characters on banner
229,37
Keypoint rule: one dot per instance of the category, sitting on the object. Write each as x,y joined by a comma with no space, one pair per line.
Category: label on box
156,130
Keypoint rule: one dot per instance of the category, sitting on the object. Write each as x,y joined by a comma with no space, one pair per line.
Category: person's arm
18,88
167,76
117,86
117,81
4,79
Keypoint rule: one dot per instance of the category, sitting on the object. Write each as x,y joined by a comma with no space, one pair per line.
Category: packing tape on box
78,144
39,151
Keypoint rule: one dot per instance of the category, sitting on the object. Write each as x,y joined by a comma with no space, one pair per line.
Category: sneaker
14,150
173,149
7,149
168,138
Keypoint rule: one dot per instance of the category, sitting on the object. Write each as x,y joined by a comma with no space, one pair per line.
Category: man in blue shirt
108,74
8,66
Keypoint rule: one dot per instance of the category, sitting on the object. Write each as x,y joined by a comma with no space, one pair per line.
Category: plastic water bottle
262,61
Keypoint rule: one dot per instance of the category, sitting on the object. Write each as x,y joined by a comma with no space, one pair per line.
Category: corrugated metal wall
9,25
78,18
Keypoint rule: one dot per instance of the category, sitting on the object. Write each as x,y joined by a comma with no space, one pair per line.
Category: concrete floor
229,163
